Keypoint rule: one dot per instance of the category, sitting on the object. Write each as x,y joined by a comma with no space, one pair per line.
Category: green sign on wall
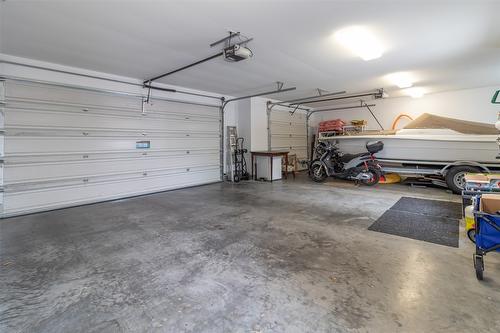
496,97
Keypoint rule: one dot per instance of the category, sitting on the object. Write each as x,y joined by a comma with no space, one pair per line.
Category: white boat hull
431,148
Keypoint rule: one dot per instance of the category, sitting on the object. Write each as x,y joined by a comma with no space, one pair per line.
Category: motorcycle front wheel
375,176
317,172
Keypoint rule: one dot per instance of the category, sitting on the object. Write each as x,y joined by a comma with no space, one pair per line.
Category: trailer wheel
455,177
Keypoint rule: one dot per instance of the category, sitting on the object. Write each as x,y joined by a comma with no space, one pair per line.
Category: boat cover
428,120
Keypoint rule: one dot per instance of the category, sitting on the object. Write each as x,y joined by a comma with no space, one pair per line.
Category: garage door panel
287,129
161,106
35,145
43,199
124,177
55,94
287,117
300,151
280,128
23,118
67,146
289,132
33,172
299,129
211,114
284,141
15,158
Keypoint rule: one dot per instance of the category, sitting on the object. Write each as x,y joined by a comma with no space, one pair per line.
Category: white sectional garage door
68,146
288,132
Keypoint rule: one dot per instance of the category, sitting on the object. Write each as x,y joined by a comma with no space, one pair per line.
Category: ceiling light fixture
415,92
401,79
360,41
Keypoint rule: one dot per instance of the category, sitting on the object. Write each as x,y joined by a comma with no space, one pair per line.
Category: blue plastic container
487,231
487,236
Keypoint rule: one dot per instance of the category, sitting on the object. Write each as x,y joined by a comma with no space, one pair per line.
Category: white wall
259,123
467,104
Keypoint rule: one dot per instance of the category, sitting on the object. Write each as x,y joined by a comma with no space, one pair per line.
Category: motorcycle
362,167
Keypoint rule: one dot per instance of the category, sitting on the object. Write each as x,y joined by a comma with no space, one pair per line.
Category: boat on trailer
431,145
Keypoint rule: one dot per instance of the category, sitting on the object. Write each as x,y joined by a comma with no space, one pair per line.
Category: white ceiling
446,45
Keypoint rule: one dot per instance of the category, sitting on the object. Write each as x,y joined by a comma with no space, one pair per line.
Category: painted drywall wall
259,123
467,104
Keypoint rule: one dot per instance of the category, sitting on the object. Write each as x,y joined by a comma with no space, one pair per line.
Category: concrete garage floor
253,257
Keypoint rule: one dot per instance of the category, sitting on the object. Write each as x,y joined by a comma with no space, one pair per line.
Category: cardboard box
476,181
476,178
490,203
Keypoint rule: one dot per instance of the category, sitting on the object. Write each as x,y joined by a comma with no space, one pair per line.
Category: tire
479,266
317,172
455,177
471,233
375,179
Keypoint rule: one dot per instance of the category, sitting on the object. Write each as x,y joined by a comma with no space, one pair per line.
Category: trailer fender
447,167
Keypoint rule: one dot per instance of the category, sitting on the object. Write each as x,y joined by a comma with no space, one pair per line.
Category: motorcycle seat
347,157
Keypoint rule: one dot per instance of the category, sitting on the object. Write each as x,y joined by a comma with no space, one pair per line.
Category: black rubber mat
426,220
429,207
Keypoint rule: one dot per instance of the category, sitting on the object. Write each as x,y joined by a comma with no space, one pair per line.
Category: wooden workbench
271,154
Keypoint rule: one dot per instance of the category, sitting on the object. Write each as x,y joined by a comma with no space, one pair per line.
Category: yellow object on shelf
357,122
390,178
